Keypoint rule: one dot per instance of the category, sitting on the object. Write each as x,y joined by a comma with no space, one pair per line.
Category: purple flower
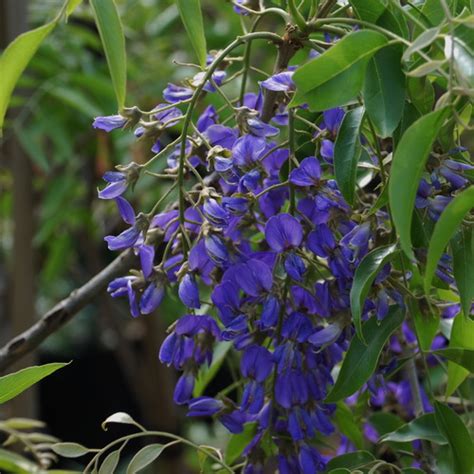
147,257
110,122
152,297
204,406
280,82
174,93
307,174
184,389
332,119
294,266
189,292
125,240
126,210
256,363
327,150
116,187
283,232
247,150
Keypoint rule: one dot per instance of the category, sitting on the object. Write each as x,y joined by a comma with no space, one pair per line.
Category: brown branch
63,312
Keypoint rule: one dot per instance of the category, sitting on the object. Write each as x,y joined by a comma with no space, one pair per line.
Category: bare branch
63,312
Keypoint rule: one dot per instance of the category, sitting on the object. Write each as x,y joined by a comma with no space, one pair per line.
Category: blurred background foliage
67,83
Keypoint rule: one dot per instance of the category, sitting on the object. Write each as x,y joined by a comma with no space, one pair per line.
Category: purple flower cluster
274,243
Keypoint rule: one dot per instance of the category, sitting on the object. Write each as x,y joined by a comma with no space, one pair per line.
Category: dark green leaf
350,460
144,457
361,360
462,357
348,426
364,276
462,246
421,94
426,324
110,463
445,228
12,385
111,34
70,450
355,47
423,427
462,335
369,10
384,90
407,168
191,14
454,430
347,150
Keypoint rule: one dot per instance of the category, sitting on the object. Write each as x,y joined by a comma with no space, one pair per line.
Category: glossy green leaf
462,335
353,48
191,14
422,41
421,94
462,246
423,427
71,6
206,374
445,228
459,440
144,457
347,150
238,441
70,450
369,10
361,360
407,167
350,460
110,463
384,90
462,357
337,92
12,385
426,324
111,34
364,276
14,60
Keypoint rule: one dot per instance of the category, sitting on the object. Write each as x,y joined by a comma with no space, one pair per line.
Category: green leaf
422,41
348,426
347,150
12,385
191,14
426,68
421,94
407,167
384,90
364,276
454,430
423,427
462,357
110,462
70,450
144,457
71,6
76,99
238,442
462,335
445,228
426,324
13,463
462,246
339,91
361,360
350,460
111,34
15,59
353,48
369,10
206,374
462,59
